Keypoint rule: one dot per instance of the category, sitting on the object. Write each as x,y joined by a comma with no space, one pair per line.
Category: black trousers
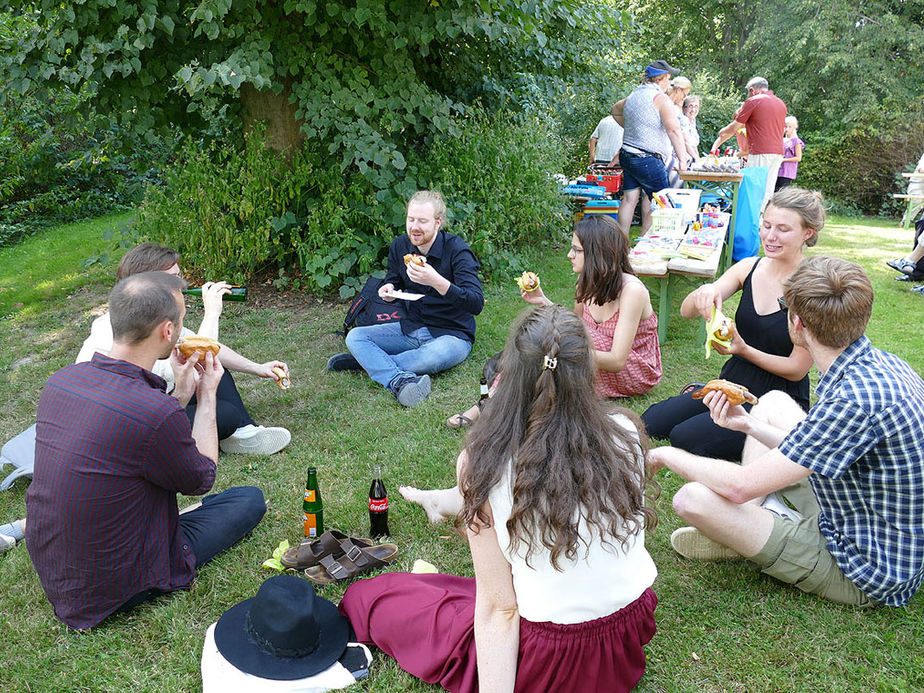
230,413
686,423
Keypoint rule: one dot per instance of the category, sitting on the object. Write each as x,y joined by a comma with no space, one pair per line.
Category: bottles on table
312,507
238,293
378,506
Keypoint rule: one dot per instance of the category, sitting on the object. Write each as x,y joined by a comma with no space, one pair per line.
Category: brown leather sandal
310,551
330,569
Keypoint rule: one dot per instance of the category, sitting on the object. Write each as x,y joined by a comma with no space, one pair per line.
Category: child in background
792,154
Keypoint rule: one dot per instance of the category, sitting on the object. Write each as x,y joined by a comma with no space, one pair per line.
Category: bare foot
459,420
428,500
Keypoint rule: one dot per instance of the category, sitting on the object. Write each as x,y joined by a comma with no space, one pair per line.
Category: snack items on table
718,330
528,281
196,342
734,393
419,260
284,383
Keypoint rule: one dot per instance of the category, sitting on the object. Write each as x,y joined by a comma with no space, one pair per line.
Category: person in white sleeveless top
554,502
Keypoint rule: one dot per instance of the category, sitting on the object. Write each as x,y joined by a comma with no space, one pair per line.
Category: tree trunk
283,130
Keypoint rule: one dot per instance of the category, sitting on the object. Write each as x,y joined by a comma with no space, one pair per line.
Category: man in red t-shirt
763,114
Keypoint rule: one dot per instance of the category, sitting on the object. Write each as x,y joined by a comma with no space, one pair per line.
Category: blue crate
595,191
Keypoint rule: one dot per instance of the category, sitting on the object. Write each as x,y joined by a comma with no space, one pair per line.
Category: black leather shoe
343,362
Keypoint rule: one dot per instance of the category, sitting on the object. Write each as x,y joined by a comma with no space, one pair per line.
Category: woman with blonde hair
792,154
763,357
677,92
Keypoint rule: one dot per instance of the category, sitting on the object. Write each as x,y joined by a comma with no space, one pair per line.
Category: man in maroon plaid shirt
112,451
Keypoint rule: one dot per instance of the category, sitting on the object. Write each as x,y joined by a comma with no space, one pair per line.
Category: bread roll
284,383
734,393
196,342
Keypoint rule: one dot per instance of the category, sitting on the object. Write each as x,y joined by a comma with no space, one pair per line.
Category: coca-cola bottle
484,390
378,507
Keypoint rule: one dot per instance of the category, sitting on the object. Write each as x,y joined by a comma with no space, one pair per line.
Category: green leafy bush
56,166
859,171
495,176
237,210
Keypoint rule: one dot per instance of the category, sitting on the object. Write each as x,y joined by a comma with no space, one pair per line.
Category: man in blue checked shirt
844,518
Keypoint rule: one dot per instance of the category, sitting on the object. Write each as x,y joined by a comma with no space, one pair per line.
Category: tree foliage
369,79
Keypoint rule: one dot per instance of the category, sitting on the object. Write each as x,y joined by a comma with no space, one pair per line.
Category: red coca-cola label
378,505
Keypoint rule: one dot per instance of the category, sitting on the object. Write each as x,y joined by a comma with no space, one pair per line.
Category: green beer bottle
238,293
312,507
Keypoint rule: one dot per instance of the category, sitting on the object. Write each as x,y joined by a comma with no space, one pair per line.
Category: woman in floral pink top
615,307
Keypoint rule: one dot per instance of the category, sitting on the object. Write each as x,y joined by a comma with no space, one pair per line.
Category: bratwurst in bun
528,281
196,342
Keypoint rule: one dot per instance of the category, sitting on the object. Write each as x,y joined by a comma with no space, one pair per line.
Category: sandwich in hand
418,260
528,281
196,342
283,382
718,330
734,393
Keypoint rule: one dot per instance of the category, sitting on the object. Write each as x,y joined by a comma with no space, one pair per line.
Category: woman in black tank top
762,356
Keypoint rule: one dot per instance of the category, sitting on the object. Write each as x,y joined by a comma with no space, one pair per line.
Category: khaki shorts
797,553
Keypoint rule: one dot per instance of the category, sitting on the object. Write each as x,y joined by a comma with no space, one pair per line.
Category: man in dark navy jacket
439,329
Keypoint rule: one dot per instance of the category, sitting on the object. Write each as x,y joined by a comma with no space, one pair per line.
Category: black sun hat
285,632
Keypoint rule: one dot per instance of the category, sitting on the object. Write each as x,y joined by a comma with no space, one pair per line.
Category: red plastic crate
611,181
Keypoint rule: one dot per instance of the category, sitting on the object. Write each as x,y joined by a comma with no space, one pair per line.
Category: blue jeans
646,172
221,521
386,353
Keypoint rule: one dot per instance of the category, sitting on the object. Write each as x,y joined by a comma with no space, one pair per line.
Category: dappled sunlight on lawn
858,239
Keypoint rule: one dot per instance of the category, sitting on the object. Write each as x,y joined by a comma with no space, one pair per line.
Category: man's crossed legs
780,541
400,362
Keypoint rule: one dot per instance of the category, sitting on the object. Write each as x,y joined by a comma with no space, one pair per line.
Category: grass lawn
721,627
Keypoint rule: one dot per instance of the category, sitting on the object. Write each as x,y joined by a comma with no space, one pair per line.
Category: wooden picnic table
670,272
724,186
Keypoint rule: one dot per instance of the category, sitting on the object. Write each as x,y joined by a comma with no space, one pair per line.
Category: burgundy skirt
426,622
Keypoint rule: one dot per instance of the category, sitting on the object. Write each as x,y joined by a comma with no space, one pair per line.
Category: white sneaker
689,542
256,440
6,543
778,506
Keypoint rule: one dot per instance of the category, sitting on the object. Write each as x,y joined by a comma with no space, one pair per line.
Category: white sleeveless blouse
601,580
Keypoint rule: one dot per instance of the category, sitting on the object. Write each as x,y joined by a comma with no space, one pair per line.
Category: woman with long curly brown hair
553,492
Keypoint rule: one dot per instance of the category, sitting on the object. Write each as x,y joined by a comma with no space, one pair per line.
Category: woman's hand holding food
705,298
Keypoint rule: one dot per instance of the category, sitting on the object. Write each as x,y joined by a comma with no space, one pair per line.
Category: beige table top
711,176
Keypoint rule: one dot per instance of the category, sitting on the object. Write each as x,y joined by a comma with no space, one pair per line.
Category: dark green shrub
860,170
238,210
58,166
496,177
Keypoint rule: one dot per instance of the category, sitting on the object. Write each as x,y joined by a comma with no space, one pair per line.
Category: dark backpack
368,309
